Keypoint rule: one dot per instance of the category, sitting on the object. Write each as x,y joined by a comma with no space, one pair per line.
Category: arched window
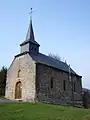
64,85
35,49
19,72
74,87
51,84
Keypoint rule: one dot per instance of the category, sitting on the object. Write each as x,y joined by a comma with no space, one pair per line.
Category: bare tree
55,56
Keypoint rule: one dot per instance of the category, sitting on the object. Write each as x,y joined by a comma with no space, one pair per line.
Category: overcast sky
60,26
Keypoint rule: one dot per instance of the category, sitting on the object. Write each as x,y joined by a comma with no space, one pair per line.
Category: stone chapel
33,76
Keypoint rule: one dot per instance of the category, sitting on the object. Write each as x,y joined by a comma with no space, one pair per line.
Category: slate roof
47,60
29,41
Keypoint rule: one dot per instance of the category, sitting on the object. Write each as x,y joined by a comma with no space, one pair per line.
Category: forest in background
3,74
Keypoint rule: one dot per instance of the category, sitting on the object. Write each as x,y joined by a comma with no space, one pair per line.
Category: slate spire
30,33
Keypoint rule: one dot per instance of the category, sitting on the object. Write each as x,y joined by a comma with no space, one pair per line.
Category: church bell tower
30,45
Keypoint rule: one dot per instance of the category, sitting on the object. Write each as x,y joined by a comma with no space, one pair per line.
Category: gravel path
7,100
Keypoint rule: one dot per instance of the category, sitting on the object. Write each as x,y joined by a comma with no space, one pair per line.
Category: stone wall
38,77
57,94
25,48
27,77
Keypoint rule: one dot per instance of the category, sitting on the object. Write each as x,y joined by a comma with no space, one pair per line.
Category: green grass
28,111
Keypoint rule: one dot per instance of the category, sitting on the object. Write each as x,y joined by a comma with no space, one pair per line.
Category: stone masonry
27,77
55,95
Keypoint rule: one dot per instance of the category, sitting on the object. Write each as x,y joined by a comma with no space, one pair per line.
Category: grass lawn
28,111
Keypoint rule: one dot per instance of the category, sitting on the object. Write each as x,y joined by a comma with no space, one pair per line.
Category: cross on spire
30,13
30,39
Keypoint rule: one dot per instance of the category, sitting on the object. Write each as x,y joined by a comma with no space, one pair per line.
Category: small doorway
18,90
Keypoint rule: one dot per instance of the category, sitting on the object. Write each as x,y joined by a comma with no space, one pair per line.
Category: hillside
27,111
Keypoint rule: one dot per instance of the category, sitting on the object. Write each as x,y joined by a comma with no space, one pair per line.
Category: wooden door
18,90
